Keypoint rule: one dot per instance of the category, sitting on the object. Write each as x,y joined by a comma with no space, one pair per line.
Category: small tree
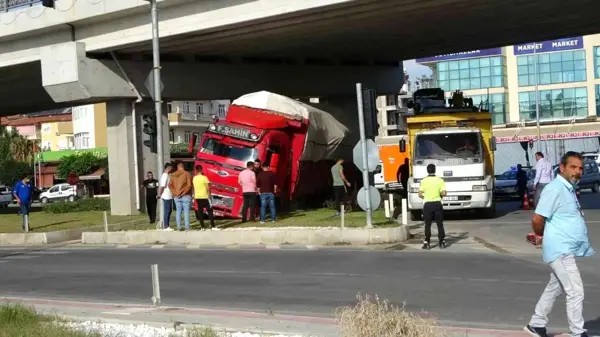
80,164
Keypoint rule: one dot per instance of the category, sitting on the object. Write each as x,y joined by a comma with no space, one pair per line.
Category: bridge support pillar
125,142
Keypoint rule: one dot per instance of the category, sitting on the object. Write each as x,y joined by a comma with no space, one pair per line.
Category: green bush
83,205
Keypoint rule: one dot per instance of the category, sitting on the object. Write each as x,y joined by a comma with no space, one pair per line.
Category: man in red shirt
266,183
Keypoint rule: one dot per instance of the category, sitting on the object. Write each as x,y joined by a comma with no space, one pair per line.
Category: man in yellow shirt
432,189
202,196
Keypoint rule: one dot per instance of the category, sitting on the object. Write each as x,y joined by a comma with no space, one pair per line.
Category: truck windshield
448,145
235,152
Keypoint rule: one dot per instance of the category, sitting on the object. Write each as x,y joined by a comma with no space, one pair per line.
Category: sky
415,70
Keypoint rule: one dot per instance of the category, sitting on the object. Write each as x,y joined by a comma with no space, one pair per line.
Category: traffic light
48,3
370,113
149,128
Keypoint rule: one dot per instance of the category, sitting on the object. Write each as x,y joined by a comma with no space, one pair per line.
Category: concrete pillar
122,142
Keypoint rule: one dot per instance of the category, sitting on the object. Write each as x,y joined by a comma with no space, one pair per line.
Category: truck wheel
595,188
416,215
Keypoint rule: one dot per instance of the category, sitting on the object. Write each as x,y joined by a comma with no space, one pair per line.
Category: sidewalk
224,320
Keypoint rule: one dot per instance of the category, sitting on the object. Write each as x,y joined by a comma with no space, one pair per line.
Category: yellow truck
457,138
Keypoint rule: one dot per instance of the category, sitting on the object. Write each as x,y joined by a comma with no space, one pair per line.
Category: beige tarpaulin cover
329,135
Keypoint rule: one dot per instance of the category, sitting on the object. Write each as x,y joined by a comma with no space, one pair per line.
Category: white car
60,192
6,196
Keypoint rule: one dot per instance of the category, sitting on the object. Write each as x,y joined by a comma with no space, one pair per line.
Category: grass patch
83,205
19,321
39,221
373,317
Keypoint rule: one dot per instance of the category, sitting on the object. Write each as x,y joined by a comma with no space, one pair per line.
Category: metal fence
8,5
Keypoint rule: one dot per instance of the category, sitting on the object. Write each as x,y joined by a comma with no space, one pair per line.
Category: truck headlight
480,188
414,190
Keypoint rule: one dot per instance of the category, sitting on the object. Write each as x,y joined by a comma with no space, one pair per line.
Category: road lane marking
158,246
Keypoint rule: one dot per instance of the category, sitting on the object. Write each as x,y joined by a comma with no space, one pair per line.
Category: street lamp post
537,99
157,93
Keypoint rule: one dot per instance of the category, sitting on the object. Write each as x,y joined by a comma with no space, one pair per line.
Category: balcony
188,119
8,5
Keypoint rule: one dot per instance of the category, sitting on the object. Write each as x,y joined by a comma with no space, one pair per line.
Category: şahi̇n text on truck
300,143
458,141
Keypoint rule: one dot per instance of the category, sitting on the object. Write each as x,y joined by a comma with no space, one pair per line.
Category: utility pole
157,94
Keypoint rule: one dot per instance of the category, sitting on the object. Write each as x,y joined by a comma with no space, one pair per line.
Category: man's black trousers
151,208
434,211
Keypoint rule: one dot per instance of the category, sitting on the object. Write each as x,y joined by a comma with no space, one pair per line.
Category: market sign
551,136
570,43
462,55
53,156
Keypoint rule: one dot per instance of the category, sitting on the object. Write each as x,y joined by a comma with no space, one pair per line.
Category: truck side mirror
402,145
274,161
492,143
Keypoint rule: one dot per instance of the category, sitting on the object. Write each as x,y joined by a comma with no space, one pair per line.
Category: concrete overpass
223,48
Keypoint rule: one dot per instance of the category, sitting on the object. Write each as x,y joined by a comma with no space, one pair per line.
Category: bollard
105,222
391,199
342,214
155,285
404,212
386,205
26,223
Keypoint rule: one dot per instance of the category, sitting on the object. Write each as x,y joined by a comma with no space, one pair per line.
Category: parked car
5,196
506,183
592,156
60,192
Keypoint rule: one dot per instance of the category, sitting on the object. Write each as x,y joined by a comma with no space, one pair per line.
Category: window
391,100
559,67
186,107
171,136
273,149
82,140
70,142
242,154
554,104
199,109
187,135
496,105
597,62
169,107
479,73
598,100
466,145
221,110
54,189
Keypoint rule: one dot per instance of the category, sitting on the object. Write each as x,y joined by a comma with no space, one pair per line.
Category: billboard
462,55
569,43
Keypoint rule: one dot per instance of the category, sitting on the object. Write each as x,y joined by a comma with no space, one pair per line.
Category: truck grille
221,201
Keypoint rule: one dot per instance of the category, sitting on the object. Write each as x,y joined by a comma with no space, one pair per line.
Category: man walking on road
432,189
559,218
164,193
22,192
181,187
267,188
339,185
543,175
151,186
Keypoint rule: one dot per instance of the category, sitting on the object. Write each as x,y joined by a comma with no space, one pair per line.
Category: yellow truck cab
457,138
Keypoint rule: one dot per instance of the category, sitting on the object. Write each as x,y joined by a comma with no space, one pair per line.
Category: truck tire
416,215
595,188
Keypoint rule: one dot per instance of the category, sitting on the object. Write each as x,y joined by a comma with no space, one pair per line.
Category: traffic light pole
157,96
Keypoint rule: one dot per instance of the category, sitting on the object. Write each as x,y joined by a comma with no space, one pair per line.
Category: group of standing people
179,188
259,183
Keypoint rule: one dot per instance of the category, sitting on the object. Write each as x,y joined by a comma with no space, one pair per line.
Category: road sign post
363,145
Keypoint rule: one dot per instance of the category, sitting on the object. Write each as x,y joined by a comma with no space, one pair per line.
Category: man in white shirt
164,193
543,175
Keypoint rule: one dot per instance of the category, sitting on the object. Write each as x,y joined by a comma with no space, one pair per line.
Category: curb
274,236
45,238
119,310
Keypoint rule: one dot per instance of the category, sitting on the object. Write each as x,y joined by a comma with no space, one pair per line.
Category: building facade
51,130
566,73
189,117
89,126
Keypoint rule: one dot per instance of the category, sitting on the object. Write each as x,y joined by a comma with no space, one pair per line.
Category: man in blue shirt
559,218
22,192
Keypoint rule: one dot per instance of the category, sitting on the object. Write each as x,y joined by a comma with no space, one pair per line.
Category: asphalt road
487,290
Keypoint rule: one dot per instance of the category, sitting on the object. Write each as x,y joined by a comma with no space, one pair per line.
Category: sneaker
426,245
168,229
442,244
537,332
